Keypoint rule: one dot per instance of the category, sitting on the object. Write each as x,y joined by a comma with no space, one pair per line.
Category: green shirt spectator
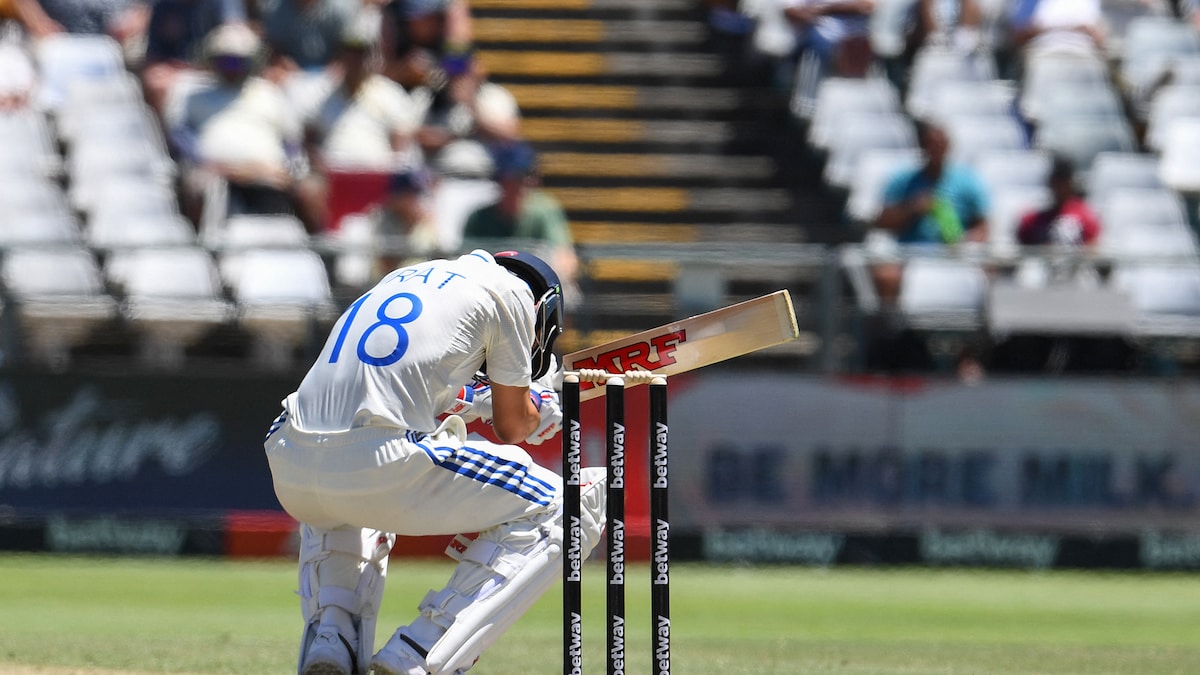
539,217
524,212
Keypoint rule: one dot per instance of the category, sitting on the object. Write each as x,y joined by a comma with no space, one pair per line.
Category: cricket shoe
400,656
329,654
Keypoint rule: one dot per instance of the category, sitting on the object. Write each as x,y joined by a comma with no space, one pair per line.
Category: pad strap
443,606
350,542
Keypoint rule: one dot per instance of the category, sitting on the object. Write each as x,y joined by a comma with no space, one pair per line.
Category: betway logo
575,551
660,456
617,554
617,653
574,453
662,559
575,650
616,478
662,645
650,355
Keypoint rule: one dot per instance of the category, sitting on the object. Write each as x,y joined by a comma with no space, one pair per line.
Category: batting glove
549,408
474,401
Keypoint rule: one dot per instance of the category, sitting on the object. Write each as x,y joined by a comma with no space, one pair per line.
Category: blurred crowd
955,128
326,110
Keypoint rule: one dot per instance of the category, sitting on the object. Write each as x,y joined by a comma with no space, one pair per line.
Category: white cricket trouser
406,483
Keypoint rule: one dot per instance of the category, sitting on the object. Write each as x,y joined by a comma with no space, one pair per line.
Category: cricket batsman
373,443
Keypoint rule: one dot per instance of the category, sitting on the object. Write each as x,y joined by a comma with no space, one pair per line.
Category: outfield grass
209,616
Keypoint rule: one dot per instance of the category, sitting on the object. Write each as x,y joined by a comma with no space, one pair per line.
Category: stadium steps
645,137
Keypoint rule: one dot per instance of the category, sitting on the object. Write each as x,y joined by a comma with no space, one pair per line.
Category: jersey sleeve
510,343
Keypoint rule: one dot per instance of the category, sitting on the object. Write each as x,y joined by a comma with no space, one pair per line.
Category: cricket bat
694,342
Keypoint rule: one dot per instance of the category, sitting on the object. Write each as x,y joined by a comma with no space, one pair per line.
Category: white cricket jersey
399,355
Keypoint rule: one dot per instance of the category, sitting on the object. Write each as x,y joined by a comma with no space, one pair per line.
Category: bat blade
694,342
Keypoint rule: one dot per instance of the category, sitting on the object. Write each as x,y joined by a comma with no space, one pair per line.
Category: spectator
239,128
470,108
94,17
18,77
1068,27
939,202
404,223
1069,224
525,212
304,35
1068,221
426,41
955,24
834,41
367,123
175,39
30,16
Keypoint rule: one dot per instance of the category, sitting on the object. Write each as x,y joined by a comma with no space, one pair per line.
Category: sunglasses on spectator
231,63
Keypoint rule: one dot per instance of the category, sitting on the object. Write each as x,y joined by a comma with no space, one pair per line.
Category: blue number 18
395,323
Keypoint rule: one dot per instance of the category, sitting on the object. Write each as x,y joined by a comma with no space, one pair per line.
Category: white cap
233,39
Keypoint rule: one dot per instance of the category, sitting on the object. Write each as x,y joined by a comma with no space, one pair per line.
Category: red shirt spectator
1071,223
1068,221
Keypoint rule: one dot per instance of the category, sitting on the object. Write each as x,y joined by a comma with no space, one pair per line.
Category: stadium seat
63,59
260,231
1151,45
1185,71
26,195
999,169
934,67
838,98
115,233
247,234
93,166
1118,14
37,228
1046,75
1112,170
954,99
1166,297
132,197
973,136
1179,164
1069,102
1143,221
875,169
1081,139
354,265
1167,105
281,293
59,297
942,294
860,133
172,298
26,146
1008,205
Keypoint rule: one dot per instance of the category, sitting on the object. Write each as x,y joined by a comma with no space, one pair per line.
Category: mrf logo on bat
650,354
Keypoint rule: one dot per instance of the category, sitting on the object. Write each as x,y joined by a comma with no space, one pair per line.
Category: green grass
208,616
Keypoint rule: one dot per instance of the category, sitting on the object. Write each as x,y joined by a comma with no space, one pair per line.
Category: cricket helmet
548,303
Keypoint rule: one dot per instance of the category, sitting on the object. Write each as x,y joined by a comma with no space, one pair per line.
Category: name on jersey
430,276
652,354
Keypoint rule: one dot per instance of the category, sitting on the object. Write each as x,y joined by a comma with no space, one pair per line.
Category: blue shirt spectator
959,202
939,201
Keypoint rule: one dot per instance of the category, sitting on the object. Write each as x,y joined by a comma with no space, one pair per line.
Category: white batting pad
346,569
500,575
